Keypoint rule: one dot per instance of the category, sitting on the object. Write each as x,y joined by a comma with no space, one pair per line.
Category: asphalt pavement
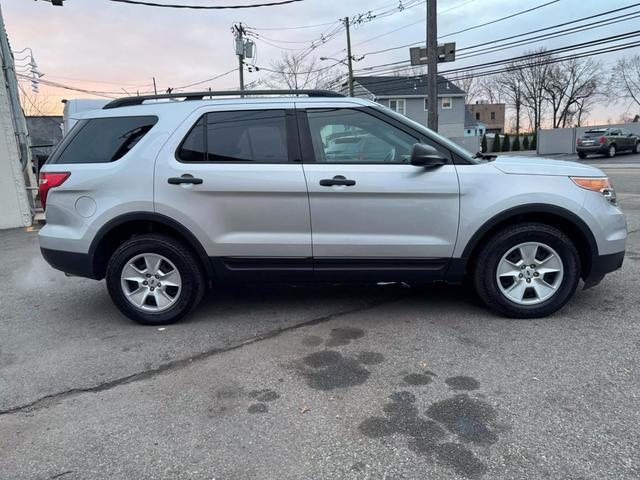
319,382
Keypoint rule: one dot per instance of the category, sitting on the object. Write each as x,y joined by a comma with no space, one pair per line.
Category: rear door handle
179,180
337,180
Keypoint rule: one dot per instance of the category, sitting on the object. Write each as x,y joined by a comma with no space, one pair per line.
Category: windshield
445,142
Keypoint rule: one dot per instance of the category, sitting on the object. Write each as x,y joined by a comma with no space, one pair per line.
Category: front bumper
600,266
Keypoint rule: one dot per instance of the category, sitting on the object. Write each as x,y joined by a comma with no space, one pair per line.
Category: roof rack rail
139,99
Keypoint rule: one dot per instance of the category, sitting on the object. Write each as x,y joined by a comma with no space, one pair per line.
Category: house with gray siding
409,96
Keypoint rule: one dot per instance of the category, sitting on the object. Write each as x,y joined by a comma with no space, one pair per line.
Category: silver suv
164,198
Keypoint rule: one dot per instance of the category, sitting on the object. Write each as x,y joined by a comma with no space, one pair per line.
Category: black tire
187,264
582,155
487,260
611,152
636,149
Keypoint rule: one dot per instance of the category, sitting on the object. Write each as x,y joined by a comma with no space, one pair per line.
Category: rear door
234,178
372,213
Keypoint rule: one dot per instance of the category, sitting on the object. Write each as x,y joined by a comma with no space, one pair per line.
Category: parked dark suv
607,141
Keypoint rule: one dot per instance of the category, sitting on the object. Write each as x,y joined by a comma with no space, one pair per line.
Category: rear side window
242,136
102,140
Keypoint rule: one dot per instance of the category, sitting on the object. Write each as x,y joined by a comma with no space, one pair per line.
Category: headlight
597,184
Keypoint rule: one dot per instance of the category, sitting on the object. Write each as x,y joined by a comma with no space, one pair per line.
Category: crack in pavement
178,364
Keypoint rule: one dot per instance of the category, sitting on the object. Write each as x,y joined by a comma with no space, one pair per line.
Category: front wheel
636,149
612,151
154,279
527,270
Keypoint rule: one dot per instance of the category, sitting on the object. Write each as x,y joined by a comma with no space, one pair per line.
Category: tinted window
353,136
102,140
243,136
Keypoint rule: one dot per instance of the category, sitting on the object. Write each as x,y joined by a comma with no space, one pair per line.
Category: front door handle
179,180
337,180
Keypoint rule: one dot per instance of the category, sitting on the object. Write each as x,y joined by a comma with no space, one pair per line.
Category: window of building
397,105
447,103
426,104
477,115
242,136
493,115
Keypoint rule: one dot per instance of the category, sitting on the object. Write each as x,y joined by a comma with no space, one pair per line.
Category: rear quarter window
102,140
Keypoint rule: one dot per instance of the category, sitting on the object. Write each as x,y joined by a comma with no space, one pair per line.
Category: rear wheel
636,149
154,279
527,270
582,155
612,151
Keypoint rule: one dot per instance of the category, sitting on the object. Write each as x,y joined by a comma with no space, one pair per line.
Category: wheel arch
561,218
119,229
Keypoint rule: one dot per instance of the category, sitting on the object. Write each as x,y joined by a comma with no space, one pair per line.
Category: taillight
49,180
579,141
603,140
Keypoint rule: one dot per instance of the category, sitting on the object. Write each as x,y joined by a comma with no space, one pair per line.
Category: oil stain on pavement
262,396
470,419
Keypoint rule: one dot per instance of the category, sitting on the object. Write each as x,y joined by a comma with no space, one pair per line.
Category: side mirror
426,156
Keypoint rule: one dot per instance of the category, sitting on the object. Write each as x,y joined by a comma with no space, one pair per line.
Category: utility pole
432,64
349,56
155,90
240,49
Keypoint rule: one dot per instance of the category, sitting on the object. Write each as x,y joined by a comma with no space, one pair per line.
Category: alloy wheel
529,273
151,282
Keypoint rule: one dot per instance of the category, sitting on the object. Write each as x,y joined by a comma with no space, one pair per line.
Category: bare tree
509,86
488,88
533,72
467,84
571,88
624,83
294,73
34,104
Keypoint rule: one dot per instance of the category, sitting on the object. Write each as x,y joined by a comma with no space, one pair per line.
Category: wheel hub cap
151,282
529,273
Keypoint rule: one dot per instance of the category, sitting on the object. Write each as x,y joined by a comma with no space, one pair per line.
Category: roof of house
406,86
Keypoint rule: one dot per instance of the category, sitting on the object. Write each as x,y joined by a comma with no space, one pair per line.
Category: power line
588,17
205,7
507,17
470,69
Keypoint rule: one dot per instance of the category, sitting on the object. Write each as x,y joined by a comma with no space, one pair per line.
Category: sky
116,48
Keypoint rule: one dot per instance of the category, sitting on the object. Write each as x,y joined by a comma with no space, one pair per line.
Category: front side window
353,136
447,103
102,140
397,105
239,136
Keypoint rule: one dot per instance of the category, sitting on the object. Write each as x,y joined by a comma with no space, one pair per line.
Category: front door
234,178
372,213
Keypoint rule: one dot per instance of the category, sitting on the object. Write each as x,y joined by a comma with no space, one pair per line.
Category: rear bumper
593,149
73,263
600,266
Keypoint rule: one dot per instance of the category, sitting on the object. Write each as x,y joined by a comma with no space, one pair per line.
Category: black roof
405,86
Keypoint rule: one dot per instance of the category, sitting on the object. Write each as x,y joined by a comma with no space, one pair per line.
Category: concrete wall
563,140
14,204
472,144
